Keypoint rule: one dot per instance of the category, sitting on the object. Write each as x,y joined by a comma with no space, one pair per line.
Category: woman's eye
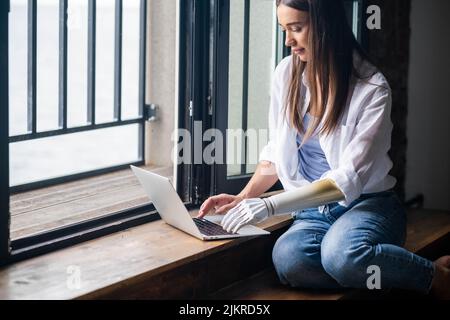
293,29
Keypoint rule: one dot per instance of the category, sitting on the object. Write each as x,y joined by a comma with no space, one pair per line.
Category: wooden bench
428,235
156,261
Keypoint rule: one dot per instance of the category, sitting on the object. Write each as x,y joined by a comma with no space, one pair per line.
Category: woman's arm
262,180
255,210
315,194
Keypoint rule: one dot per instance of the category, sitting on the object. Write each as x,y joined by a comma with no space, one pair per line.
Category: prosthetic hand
247,211
256,210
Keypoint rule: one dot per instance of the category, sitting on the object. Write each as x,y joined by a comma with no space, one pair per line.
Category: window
247,54
75,81
251,62
76,105
75,84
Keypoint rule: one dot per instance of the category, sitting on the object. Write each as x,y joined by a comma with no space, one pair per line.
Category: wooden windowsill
149,260
118,260
65,204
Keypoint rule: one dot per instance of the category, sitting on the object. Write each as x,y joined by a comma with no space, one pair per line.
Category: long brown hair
331,45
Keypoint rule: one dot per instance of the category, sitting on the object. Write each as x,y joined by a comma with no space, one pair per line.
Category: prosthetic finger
243,222
237,220
230,215
227,225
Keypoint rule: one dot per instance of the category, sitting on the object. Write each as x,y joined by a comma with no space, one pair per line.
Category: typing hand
247,211
220,204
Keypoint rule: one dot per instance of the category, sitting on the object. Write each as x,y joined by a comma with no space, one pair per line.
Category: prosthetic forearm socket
316,194
256,210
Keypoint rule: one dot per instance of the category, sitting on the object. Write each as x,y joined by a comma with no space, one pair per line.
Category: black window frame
4,134
194,180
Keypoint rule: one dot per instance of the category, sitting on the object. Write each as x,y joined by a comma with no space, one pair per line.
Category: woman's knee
346,261
295,258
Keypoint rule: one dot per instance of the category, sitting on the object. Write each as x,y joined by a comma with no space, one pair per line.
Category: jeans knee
295,262
346,265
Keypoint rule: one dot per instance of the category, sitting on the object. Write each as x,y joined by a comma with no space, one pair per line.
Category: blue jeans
335,248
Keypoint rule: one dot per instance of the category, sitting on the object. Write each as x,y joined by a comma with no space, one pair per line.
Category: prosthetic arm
256,210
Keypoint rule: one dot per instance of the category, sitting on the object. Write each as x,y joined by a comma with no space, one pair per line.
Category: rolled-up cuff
347,180
267,154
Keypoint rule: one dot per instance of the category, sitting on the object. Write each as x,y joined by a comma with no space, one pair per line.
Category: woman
330,132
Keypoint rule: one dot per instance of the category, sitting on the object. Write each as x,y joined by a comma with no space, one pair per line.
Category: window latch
151,112
191,108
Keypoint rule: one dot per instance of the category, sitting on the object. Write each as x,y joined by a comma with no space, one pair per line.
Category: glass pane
77,62
47,64
279,43
48,158
262,54
352,11
18,50
261,57
49,208
104,101
235,89
130,59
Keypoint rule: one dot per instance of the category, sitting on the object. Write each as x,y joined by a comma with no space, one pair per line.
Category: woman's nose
289,40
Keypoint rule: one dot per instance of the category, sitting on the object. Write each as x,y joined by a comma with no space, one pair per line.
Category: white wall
428,159
161,79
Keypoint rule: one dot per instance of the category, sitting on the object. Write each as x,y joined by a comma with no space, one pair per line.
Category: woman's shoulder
285,63
284,68
369,77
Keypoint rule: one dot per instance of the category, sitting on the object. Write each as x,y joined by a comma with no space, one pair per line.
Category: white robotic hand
247,211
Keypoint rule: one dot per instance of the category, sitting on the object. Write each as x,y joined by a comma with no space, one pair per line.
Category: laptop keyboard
209,228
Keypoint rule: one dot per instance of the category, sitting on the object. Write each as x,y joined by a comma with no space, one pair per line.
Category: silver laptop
173,212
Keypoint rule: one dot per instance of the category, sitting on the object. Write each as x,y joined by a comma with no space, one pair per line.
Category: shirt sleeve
365,152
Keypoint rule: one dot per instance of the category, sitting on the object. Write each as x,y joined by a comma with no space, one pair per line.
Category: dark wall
428,167
389,48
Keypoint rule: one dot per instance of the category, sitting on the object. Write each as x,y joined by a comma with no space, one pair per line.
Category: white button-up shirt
357,151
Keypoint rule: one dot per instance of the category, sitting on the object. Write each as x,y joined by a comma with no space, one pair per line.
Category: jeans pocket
305,214
318,237
335,211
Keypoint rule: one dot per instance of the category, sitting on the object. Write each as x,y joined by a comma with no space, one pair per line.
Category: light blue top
312,161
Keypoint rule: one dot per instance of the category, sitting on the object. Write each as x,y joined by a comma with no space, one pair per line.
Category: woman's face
296,25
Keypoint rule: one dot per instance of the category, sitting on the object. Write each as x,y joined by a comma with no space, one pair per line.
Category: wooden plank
201,277
67,186
80,186
115,263
76,211
49,208
158,261
63,196
266,286
424,228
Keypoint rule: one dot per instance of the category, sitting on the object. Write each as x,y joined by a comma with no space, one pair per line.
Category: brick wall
389,47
